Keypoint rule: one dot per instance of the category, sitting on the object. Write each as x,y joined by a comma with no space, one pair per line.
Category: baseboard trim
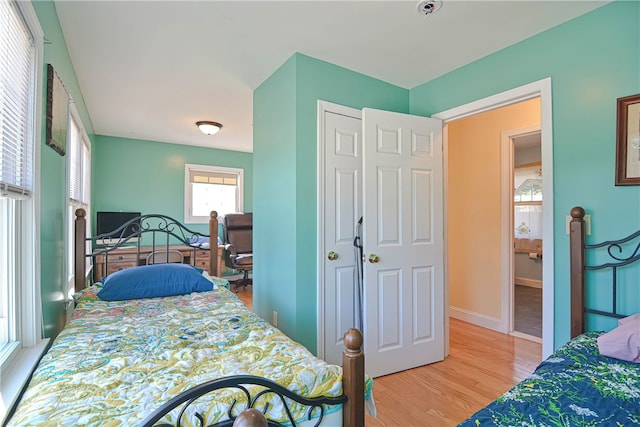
526,336
477,319
532,283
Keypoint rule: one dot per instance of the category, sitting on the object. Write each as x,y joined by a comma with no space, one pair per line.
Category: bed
578,385
199,357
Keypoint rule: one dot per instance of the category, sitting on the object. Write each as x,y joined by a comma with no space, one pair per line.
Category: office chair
238,236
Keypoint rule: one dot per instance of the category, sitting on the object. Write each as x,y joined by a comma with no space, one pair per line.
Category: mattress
115,362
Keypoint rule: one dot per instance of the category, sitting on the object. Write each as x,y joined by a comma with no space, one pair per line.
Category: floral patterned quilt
116,362
576,386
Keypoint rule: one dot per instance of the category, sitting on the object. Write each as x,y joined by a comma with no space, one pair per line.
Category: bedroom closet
387,169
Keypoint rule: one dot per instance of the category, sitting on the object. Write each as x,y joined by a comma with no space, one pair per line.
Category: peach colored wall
474,218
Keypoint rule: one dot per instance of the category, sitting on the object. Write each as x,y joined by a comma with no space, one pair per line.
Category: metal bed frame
618,253
162,230
353,378
352,411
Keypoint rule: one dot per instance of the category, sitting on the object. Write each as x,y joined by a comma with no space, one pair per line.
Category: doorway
526,222
499,317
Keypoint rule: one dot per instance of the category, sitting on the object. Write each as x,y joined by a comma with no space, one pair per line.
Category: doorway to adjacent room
527,224
498,316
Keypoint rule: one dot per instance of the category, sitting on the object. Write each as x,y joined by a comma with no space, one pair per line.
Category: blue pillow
152,281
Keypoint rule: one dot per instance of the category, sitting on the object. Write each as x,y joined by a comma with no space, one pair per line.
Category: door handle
373,258
332,256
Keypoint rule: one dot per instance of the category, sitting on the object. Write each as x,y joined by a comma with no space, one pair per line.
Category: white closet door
403,238
342,209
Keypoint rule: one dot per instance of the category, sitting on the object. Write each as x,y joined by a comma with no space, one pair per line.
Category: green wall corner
288,252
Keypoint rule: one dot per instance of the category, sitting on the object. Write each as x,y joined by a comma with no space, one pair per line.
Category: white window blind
78,184
75,168
16,96
208,177
79,162
21,65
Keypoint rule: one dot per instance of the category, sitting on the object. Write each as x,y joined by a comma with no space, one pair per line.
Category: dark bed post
576,250
213,244
80,237
353,379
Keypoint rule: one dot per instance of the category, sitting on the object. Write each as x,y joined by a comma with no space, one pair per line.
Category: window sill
16,374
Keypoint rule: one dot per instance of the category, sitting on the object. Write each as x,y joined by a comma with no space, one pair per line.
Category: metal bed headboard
619,253
162,232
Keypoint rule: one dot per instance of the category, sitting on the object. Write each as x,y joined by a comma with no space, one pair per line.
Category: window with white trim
527,200
78,185
20,78
211,188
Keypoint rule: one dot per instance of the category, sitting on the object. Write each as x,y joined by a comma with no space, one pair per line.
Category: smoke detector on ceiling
426,7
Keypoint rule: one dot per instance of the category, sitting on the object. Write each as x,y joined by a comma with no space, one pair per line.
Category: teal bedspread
575,386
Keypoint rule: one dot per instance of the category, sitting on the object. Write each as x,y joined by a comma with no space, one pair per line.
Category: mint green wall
285,170
274,213
125,175
53,199
147,176
592,60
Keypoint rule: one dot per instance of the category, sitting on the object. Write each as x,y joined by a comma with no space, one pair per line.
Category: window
211,188
78,184
20,78
528,202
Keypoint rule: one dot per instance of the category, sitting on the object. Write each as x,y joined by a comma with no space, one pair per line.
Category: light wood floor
482,364
246,295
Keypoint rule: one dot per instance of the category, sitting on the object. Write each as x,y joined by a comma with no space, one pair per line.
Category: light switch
587,224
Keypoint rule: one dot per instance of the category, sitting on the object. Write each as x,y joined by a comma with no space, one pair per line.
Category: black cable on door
358,249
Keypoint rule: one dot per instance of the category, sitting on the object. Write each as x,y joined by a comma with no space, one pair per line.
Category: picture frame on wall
628,141
57,112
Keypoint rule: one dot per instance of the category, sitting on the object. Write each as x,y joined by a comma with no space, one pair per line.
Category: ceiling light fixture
209,128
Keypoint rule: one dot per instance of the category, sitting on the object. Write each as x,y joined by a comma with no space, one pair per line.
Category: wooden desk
128,256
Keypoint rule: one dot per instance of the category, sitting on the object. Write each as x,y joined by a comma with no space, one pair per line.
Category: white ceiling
527,141
151,69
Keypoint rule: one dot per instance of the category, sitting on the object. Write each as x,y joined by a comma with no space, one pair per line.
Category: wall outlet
587,224
275,318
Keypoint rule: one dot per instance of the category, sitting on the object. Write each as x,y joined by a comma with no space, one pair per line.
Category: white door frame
541,89
323,108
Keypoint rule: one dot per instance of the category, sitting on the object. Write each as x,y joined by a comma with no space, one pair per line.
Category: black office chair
238,236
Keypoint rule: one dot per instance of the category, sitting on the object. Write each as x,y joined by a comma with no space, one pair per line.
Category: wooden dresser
127,257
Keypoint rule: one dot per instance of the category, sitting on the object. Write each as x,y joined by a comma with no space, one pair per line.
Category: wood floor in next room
482,364
528,310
